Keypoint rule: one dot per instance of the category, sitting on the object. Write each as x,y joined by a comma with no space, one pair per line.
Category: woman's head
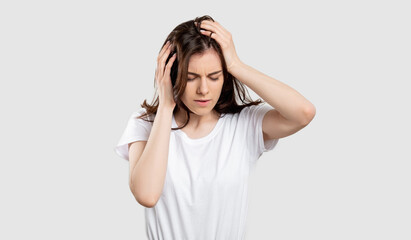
198,56
204,81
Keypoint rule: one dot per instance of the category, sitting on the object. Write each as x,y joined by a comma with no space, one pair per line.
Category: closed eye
190,79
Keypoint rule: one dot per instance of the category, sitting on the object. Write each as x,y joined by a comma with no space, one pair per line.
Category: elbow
145,200
147,203
309,114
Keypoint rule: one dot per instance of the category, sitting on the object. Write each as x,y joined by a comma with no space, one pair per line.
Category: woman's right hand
163,79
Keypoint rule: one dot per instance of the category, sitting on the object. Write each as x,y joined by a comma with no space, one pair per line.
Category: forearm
148,176
291,104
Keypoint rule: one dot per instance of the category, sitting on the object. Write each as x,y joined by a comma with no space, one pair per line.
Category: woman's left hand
224,38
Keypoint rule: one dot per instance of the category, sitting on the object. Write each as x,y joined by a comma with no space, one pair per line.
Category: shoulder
137,114
254,110
137,118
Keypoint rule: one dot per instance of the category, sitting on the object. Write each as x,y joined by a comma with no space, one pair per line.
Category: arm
148,175
292,111
287,101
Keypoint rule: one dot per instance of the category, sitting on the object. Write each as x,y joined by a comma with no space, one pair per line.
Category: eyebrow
208,74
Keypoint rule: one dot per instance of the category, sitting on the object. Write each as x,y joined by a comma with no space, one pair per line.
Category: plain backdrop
72,72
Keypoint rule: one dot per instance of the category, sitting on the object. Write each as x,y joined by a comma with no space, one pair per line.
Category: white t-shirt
205,189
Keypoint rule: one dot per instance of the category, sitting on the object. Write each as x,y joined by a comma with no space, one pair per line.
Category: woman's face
205,82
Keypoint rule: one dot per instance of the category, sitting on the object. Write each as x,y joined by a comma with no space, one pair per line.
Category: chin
199,109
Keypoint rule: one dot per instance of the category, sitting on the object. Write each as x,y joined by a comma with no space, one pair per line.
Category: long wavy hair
187,40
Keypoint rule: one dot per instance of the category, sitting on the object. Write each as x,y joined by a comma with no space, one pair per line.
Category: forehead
208,61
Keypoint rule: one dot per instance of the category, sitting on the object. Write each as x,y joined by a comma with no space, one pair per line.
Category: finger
157,75
215,36
170,64
164,51
208,25
219,26
164,48
162,60
159,57
215,27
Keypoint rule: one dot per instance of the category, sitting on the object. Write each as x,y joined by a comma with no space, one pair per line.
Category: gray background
73,71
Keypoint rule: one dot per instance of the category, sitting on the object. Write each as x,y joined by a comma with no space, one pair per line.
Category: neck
196,120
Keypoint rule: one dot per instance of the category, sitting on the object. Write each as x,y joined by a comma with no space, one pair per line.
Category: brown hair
187,41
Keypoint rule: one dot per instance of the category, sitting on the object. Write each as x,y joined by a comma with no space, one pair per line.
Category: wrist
166,109
234,65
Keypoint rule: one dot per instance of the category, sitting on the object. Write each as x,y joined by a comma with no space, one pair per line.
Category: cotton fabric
205,190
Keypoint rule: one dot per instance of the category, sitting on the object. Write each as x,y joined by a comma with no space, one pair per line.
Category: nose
203,87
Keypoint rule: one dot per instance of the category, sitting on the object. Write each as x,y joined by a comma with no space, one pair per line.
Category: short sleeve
136,130
253,117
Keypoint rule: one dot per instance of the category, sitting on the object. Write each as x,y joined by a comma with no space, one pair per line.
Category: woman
190,159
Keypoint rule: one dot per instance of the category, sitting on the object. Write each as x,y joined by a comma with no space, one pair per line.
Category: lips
205,100
202,103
